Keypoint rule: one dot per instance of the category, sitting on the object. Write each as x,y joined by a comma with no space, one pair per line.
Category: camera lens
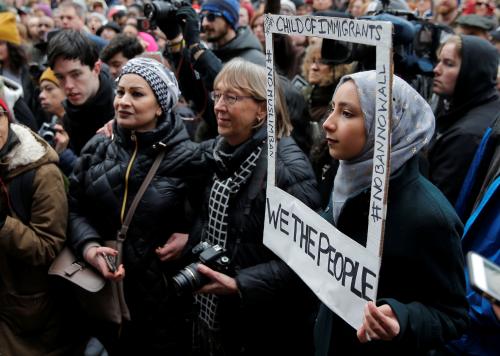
149,10
188,279
48,136
158,10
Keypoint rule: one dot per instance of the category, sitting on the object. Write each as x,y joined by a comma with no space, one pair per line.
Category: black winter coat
474,107
422,271
97,190
274,312
82,121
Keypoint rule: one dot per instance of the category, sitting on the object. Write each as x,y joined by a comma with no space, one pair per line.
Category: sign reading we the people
342,273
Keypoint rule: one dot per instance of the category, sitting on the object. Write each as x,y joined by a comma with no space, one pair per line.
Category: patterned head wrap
161,80
412,128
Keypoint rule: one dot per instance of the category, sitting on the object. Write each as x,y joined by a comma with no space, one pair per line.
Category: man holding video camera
219,23
196,64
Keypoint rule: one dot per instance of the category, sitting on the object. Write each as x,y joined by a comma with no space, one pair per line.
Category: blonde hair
457,41
363,7
337,70
251,79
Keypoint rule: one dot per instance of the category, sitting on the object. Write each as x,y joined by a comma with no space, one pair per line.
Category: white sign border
375,33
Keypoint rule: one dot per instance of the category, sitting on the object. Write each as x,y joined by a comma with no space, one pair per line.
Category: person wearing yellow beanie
13,58
8,28
51,94
48,74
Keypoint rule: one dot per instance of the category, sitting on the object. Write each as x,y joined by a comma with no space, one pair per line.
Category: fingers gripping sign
342,273
379,323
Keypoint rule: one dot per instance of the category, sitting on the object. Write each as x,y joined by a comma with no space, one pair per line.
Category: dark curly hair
17,57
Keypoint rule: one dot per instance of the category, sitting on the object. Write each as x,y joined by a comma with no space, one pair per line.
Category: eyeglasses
319,61
479,3
210,16
228,99
3,112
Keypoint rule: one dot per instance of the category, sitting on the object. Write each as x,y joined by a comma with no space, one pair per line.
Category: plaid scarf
218,205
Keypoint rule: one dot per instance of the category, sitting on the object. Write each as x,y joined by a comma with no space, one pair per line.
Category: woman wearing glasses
259,306
31,235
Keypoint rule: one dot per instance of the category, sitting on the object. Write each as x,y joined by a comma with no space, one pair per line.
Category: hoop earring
259,123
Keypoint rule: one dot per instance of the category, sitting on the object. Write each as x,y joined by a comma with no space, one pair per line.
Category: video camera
158,11
415,44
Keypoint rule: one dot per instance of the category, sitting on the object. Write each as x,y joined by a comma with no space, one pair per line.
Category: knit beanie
49,75
230,10
250,10
161,80
288,7
150,40
45,8
8,28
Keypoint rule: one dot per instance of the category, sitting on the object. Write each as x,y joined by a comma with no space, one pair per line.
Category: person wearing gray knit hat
161,80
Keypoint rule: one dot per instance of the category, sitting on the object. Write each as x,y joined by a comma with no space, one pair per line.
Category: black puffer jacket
473,108
274,312
97,189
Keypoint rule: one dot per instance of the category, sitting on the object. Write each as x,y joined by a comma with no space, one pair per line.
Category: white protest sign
341,272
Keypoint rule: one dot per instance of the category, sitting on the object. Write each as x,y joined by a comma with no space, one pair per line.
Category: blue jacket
482,235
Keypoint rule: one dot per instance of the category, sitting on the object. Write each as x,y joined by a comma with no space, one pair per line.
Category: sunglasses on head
210,16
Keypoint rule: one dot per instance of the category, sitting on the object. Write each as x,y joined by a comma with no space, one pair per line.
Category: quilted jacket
106,178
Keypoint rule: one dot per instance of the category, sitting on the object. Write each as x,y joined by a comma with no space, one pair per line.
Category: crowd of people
97,95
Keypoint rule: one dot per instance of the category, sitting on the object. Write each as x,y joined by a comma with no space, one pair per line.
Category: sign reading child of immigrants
342,273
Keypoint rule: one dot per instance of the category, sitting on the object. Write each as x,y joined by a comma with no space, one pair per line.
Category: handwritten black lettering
283,221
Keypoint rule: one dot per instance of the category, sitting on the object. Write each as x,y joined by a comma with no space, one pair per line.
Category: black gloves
170,27
190,23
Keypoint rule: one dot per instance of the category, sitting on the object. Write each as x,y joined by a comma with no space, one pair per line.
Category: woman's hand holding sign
379,323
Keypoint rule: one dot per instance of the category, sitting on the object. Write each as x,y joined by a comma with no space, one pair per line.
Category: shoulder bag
99,298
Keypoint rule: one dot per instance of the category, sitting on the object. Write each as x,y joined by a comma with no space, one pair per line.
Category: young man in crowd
89,90
119,50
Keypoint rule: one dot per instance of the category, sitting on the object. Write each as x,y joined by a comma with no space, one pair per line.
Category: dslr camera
48,131
189,279
158,11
